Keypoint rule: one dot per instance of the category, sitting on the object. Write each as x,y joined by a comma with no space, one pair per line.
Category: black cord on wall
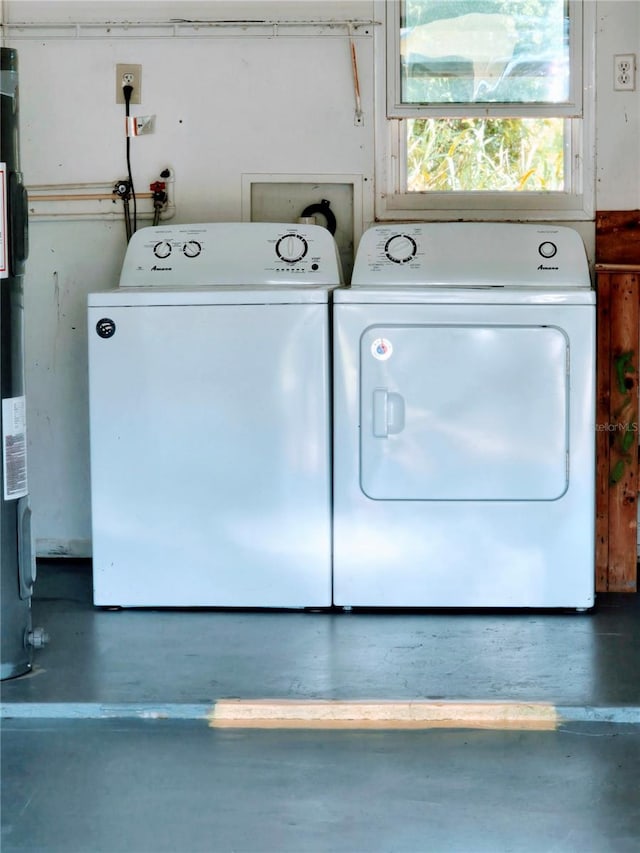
127,92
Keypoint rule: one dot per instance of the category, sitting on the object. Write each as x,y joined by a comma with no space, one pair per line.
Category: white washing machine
210,419
464,419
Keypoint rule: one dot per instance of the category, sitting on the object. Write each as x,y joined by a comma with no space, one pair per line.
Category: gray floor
146,787
121,784
102,656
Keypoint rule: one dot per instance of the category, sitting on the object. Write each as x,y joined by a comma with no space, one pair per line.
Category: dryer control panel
471,254
235,253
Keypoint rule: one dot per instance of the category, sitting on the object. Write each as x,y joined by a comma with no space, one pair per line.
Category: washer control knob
162,249
192,248
291,248
547,249
400,248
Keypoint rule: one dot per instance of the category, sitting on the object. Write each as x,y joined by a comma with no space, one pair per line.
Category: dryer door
464,412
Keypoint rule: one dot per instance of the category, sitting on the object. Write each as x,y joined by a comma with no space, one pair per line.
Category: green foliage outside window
485,155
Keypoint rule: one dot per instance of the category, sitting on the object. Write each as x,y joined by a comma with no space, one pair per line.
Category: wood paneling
618,237
618,345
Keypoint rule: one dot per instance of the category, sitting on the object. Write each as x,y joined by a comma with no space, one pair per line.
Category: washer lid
224,295
472,254
231,253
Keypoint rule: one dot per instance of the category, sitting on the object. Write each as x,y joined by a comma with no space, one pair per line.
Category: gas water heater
17,559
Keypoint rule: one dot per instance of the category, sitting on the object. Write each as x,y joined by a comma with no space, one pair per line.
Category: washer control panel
237,253
471,254
164,248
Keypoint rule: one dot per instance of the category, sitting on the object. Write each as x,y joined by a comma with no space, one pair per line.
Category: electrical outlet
624,72
129,75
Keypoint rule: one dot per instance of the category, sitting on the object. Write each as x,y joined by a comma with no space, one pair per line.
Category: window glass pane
485,155
484,51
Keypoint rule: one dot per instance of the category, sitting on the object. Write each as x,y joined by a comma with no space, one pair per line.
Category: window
488,110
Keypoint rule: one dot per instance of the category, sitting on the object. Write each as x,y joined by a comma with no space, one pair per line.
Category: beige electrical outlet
129,75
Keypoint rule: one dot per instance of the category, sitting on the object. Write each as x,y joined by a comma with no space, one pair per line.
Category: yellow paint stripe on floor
339,714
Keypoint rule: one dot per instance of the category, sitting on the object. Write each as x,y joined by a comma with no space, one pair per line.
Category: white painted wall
247,105
617,113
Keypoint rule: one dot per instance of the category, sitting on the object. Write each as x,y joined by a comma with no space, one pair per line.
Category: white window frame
576,203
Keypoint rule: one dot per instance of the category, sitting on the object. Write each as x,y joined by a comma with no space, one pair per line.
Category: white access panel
464,420
210,441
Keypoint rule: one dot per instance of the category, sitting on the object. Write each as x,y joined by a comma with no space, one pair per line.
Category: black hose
324,208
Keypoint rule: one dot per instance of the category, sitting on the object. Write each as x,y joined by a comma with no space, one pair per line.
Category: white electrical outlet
624,72
129,75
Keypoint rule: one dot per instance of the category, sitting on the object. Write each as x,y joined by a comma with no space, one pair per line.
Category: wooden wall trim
617,416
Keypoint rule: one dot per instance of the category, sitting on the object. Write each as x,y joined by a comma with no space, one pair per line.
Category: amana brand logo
155,268
542,267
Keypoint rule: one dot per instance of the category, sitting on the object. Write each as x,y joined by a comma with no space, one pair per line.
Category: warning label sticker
14,447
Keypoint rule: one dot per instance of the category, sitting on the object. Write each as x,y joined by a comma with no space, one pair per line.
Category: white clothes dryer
210,419
464,419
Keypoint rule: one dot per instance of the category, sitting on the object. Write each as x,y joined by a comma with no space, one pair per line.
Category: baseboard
75,548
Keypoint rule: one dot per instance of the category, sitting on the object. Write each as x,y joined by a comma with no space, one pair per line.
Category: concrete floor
147,787
85,768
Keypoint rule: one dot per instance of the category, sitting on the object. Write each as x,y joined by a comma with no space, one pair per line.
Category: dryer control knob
400,248
547,249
